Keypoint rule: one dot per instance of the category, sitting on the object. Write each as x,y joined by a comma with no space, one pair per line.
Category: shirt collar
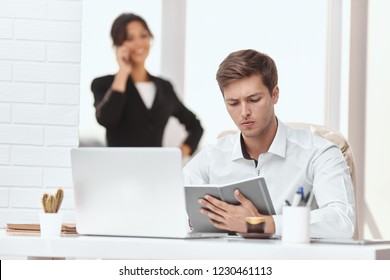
278,146
237,151
244,151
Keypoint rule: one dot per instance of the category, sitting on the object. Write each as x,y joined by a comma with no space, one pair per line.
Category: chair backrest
333,136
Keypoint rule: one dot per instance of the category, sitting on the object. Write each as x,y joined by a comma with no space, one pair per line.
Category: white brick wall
34,51
21,176
3,197
5,29
52,177
5,71
23,9
40,44
5,113
46,72
63,52
61,136
45,114
63,10
24,92
63,94
4,156
40,156
21,134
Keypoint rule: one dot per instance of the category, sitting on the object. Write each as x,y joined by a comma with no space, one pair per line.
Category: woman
133,105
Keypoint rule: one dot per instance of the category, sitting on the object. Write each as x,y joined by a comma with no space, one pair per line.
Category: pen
287,202
310,199
297,199
307,197
300,190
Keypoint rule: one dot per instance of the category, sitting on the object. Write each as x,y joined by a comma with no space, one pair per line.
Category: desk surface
93,247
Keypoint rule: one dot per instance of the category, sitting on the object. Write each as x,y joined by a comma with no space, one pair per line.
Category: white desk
93,247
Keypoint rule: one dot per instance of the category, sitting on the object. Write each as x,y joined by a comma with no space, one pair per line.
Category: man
285,157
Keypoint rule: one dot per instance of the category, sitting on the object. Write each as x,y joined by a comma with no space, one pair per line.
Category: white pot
50,224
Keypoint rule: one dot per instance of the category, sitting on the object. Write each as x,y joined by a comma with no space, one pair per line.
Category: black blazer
129,123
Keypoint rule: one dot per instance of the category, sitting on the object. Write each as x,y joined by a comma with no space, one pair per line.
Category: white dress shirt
296,158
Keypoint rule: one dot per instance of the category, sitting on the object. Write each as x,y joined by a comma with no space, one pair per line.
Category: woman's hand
185,150
125,68
123,59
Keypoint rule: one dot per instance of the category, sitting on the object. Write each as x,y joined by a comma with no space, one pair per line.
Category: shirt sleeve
195,171
333,193
278,224
109,104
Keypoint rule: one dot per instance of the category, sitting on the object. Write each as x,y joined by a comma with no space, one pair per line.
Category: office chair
333,136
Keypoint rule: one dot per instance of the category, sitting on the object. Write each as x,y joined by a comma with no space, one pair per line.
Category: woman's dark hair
118,29
245,63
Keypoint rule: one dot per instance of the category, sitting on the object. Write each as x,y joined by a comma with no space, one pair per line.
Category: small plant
52,203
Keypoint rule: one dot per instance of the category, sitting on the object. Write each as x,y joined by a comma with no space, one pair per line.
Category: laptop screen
129,192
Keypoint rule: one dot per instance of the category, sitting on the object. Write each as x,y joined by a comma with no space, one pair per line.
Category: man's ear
275,94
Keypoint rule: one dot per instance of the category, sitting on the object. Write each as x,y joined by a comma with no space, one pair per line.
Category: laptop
350,241
130,192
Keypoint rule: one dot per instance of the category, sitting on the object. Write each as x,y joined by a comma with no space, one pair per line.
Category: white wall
293,33
39,103
377,181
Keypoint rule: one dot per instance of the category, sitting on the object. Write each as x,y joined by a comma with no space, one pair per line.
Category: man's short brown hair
245,63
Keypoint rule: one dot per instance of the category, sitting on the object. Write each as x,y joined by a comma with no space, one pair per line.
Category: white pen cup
295,228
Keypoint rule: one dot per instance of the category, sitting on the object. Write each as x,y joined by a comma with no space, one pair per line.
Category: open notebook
35,228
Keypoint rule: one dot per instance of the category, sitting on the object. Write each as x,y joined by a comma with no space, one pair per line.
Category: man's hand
232,217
